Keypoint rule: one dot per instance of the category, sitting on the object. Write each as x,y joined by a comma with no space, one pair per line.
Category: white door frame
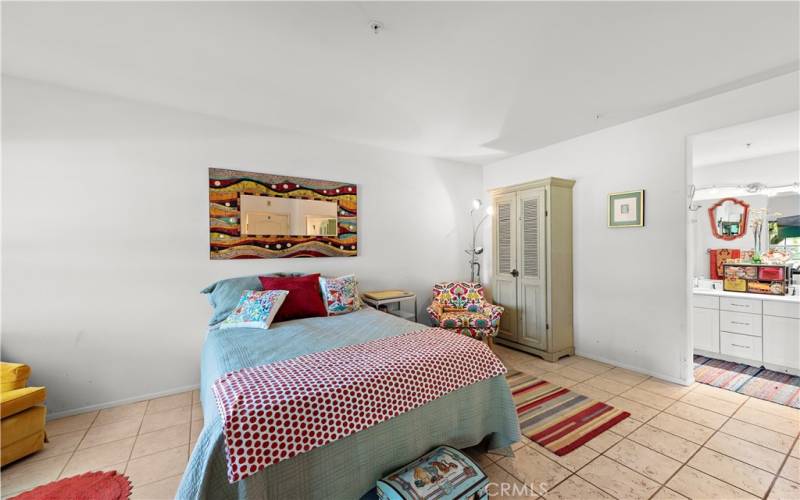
687,361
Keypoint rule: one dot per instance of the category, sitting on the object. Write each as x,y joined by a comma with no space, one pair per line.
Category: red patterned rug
92,485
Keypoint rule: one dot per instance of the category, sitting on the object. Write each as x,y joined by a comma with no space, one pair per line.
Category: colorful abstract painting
227,241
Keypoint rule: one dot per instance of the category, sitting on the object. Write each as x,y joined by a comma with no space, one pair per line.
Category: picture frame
626,209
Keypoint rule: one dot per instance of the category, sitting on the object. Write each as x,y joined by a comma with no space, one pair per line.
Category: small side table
383,304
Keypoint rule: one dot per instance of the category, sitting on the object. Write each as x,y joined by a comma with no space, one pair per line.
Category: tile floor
680,442
150,441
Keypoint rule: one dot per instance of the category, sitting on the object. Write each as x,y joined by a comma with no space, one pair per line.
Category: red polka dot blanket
273,412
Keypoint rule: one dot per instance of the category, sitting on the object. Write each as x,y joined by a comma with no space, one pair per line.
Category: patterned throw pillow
256,309
340,294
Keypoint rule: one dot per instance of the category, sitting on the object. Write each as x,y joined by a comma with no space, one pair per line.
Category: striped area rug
557,418
781,388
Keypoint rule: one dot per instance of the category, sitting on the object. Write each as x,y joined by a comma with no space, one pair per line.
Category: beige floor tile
531,467
555,378
164,439
698,415
717,393
197,411
592,366
570,360
791,469
638,411
647,398
540,364
197,426
169,402
625,427
480,458
624,376
70,424
774,408
693,483
574,373
783,489
99,456
161,465
505,486
747,452
111,415
686,429
664,442
196,396
758,435
591,392
664,388
608,385
707,403
643,460
100,434
604,441
767,420
732,471
168,418
24,475
58,445
159,490
530,370
667,494
575,488
617,480
796,449
573,460
192,444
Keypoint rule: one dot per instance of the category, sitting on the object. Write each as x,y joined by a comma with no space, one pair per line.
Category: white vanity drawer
782,309
705,301
747,324
740,305
741,346
782,341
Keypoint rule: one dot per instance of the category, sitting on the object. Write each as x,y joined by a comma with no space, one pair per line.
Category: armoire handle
514,273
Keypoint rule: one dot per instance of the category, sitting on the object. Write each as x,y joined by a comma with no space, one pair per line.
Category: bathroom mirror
728,218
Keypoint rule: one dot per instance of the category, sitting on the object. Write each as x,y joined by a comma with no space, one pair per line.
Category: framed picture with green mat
626,209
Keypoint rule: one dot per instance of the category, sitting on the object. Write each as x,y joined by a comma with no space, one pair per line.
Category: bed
347,468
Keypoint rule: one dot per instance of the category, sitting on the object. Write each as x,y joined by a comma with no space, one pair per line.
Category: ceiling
467,81
770,136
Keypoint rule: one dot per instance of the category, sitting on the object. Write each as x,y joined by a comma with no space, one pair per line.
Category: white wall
100,289
631,284
773,170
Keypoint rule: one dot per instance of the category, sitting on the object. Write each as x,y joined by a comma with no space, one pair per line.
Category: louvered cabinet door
531,283
504,289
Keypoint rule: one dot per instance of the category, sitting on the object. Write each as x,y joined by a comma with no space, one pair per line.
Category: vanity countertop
745,295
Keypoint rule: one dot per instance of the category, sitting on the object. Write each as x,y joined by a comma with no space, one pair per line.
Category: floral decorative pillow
340,294
256,309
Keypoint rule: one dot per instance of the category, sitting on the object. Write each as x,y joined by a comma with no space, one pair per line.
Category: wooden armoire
532,266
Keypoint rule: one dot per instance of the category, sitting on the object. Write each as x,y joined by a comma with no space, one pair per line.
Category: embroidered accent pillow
340,294
256,309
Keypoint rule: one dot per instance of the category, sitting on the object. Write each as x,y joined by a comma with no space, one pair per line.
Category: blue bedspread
349,467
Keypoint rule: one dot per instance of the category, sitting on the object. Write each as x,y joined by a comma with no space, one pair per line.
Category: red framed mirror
728,218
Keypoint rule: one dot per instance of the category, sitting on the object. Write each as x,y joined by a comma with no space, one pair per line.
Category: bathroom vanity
754,329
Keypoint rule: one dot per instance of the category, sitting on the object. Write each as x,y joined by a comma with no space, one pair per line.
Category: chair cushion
463,319
13,402
13,376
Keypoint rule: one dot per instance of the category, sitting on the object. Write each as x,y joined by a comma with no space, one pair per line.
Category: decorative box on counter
756,278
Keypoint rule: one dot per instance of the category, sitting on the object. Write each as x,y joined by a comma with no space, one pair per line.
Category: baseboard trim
652,373
120,402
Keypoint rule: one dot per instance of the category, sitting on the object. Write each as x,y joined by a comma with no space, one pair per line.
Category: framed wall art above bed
264,216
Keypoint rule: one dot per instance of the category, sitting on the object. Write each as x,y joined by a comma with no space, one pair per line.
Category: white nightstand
386,305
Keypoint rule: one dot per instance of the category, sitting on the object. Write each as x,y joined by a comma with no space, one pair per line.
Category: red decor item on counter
304,299
719,256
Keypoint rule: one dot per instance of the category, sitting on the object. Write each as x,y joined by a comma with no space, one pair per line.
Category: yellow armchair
22,413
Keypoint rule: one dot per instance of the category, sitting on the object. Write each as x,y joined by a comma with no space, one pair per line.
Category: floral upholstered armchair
461,307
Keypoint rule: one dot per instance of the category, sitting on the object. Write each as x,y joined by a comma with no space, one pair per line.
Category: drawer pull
740,323
741,346
739,305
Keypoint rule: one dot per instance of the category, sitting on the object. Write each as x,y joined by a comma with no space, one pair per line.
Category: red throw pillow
304,299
